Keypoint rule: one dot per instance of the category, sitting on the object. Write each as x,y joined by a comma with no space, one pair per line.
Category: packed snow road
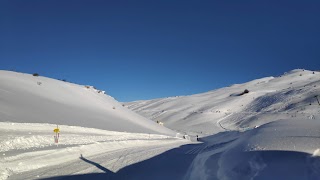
28,151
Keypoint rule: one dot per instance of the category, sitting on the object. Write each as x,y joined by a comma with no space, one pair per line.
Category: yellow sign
56,130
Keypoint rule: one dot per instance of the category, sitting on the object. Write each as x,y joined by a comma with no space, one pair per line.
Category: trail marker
57,132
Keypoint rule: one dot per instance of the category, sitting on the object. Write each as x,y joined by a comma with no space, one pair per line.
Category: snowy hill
291,95
34,99
91,125
264,129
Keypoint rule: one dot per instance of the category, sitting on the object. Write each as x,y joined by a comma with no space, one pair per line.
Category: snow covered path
27,151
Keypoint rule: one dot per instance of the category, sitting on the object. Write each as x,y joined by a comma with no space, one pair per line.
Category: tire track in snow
112,160
28,149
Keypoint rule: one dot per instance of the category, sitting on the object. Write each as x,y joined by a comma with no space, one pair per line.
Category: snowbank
284,149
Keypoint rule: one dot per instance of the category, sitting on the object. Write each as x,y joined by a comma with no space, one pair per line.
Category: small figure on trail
197,138
160,123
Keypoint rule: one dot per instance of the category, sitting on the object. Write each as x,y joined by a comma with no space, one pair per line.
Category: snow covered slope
25,98
291,95
270,131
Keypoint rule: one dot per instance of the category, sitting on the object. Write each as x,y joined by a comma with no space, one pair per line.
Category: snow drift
283,149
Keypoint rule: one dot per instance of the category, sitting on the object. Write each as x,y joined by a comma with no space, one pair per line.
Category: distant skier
197,138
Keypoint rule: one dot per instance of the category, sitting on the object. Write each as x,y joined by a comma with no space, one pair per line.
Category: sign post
57,132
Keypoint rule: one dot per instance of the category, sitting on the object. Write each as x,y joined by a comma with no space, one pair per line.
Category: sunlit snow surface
91,123
272,132
26,147
26,98
291,95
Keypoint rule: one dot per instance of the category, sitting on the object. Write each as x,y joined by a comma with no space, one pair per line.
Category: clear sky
144,49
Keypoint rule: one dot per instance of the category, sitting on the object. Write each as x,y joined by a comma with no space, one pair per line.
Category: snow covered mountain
34,99
93,128
238,107
264,129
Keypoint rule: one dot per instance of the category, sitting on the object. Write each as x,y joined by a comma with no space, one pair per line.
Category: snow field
272,132
28,146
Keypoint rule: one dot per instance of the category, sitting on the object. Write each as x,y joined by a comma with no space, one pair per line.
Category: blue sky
148,49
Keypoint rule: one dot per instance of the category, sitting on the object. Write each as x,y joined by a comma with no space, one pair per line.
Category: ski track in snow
28,150
112,161
219,121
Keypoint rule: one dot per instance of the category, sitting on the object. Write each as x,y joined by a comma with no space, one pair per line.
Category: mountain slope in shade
26,98
292,95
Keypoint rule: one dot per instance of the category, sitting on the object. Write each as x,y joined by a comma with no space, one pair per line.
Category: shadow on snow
170,165
276,165
232,164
